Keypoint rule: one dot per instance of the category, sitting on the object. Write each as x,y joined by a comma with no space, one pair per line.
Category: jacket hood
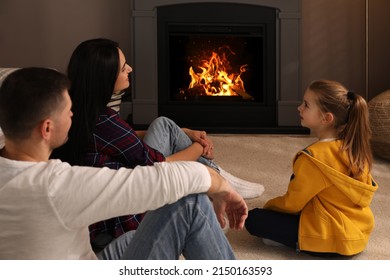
359,192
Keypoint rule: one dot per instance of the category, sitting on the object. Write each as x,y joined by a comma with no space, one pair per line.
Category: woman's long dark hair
93,70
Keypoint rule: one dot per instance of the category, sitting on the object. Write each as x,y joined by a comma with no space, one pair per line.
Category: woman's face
122,81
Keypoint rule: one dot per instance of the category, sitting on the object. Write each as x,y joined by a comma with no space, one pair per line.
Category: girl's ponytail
357,134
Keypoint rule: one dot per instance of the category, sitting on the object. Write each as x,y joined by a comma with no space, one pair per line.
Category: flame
215,80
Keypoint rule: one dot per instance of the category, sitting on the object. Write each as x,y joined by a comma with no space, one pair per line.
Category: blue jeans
188,226
166,136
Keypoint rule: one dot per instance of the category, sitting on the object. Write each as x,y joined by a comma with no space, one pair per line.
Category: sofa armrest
4,72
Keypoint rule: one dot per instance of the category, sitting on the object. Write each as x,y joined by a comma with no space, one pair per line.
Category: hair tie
350,95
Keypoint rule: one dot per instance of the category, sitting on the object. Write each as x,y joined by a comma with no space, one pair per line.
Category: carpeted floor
267,159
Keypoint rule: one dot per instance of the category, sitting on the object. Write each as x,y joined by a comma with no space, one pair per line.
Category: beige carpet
267,159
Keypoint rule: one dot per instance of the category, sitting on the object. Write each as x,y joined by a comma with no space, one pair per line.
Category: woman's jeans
167,137
188,226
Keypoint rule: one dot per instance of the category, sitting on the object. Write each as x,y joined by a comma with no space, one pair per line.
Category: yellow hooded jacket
334,207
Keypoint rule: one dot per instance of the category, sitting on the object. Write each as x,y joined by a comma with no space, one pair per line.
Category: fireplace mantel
143,57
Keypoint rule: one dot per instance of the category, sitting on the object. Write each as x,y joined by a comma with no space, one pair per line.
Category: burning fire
214,79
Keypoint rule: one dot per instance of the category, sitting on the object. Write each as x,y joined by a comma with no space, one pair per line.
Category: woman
99,137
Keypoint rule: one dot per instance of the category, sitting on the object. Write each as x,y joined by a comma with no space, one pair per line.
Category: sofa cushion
4,72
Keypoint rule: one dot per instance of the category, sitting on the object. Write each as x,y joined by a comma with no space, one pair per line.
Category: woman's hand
201,138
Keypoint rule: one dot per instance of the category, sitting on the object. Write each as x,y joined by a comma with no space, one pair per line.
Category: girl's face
122,81
310,113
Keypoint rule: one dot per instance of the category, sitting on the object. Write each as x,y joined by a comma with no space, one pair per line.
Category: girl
98,136
326,208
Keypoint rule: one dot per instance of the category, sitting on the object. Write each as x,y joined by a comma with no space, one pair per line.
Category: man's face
62,121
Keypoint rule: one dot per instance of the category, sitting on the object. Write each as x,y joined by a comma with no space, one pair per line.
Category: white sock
245,188
227,226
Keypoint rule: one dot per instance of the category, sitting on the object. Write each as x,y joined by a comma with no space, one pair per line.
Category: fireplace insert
217,66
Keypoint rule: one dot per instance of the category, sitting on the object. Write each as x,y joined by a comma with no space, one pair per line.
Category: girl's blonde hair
351,122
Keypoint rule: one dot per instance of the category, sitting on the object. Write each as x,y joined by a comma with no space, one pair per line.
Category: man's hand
234,206
227,200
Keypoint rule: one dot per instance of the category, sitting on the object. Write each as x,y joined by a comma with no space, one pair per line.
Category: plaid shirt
115,144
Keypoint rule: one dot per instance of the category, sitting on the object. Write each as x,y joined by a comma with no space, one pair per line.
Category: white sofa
4,72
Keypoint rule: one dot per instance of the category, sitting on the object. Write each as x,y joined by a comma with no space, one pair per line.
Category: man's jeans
187,227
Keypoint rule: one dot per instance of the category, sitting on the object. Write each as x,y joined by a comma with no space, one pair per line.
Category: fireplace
216,65
179,45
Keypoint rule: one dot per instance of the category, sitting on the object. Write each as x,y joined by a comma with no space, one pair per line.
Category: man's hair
27,97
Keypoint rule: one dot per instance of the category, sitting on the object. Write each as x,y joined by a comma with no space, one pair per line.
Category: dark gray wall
334,45
378,46
347,40
45,32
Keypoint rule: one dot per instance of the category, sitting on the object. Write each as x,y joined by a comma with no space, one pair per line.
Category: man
47,205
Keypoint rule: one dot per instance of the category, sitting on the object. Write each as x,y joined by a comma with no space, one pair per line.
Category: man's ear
46,129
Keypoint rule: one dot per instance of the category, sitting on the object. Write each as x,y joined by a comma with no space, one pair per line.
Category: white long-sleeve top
46,207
